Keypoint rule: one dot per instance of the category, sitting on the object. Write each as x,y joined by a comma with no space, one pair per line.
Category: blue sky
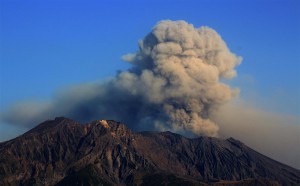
47,45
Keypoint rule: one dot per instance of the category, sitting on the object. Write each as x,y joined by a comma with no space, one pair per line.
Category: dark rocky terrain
64,152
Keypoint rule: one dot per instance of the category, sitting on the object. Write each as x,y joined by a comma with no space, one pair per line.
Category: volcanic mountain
106,152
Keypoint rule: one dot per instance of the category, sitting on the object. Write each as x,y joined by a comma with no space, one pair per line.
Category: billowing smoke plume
174,84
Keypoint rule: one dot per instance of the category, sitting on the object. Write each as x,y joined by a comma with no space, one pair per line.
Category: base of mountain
88,176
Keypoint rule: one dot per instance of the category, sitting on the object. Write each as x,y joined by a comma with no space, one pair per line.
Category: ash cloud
174,84
273,134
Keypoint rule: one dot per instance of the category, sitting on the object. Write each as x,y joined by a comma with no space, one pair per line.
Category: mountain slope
62,151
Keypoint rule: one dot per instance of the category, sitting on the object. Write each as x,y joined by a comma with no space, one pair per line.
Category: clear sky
47,45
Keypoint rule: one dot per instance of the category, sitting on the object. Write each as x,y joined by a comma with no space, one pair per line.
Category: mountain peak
52,124
104,123
235,141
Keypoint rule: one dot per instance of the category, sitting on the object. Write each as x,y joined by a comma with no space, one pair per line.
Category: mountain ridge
54,151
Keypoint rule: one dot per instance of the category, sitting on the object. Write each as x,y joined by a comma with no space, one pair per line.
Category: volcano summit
64,152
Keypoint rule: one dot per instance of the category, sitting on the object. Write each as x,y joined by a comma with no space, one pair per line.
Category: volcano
106,152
